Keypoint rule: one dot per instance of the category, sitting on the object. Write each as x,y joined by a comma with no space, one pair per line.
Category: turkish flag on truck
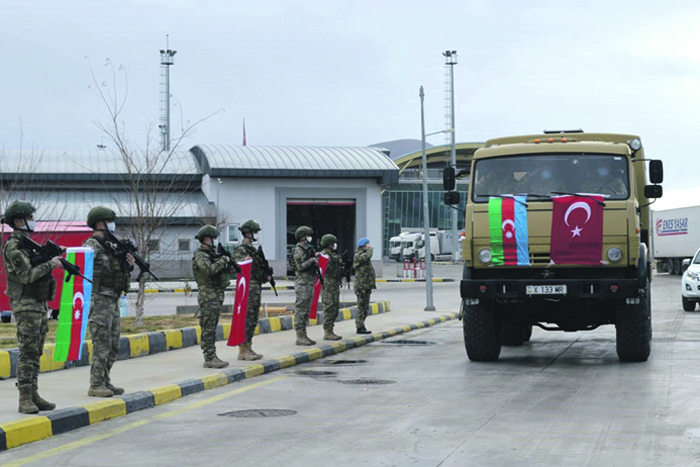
240,305
577,230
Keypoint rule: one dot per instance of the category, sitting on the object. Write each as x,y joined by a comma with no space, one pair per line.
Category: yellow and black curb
195,289
30,429
435,279
150,343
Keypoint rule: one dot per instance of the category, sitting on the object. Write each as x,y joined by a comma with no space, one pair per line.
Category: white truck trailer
675,237
440,245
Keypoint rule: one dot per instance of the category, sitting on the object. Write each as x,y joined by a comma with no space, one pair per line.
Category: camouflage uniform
305,268
364,283
211,274
255,291
331,290
109,280
29,288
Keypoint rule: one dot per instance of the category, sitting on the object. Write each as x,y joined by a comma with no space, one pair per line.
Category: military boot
215,363
116,390
303,339
258,356
40,402
99,391
363,330
245,353
26,405
329,335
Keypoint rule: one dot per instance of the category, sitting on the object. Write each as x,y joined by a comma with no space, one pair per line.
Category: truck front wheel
482,336
633,330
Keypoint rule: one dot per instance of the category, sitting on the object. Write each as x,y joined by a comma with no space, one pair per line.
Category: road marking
93,439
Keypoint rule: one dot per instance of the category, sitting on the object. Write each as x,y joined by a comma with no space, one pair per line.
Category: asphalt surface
559,400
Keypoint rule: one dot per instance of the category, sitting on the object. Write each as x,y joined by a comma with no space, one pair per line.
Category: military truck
520,187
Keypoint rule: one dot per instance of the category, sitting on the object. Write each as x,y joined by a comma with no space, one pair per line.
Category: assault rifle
267,270
47,252
347,267
221,251
121,248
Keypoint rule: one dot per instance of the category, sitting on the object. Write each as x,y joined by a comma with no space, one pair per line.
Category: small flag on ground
74,310
577,230
508,231
240,305
322,263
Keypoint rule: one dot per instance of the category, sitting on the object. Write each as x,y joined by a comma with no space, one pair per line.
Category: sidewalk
170,375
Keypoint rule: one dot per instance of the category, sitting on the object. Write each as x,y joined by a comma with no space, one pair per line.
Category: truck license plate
545,290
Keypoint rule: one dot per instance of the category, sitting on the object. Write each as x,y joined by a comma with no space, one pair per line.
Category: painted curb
196,289
150,343
36,428
435,279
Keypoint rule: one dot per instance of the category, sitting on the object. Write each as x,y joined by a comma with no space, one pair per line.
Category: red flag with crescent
240,305
577,230
322,263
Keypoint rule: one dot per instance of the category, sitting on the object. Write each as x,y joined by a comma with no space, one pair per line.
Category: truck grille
539,259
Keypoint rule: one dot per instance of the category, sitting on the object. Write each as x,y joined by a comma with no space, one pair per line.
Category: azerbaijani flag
508,231
74,310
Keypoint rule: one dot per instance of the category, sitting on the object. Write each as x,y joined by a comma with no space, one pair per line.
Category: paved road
560,400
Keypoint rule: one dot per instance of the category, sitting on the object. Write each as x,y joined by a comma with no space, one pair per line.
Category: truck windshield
546,175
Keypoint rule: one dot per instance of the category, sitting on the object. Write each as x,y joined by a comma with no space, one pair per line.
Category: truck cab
604,173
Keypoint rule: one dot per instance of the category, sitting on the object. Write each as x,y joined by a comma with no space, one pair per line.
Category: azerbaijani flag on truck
74,310
508,231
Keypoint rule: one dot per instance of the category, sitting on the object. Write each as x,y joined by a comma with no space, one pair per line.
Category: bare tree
157,183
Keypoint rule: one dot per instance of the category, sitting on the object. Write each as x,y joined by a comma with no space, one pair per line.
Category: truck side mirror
656,172
448,179
452,197
653,191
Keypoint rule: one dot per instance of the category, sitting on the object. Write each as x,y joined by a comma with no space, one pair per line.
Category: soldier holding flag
331,288
257,277
29,288
304,263
211,274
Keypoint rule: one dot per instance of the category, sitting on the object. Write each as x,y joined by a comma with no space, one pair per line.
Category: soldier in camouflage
211,273
364,282
29,288
110,279
257,277
332,279
305,265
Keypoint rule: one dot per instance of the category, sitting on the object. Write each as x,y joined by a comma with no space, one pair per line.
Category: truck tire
515,334
633,330
482,337
676,267
688,305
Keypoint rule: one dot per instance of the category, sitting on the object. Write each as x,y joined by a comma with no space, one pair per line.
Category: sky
347,73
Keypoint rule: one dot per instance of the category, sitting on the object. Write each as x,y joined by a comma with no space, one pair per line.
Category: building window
183,245
232,233
153,246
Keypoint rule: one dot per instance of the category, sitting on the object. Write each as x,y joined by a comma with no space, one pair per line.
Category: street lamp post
429,306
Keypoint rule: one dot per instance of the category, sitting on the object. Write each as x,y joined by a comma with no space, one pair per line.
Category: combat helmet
303,231
328,239
207,231
100,214
19,209
250,226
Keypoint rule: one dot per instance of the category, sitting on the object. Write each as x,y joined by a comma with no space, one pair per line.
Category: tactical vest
42,290
204,278
256,271
110,275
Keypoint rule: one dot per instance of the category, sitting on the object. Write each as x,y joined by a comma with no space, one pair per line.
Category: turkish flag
322,263
240,305
577,230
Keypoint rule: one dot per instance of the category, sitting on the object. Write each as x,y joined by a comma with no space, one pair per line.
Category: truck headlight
485,256
614,254
635,144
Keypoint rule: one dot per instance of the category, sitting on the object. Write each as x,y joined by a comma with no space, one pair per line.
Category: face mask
546,174
335,246
111,226
603,171
308,239
30,226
